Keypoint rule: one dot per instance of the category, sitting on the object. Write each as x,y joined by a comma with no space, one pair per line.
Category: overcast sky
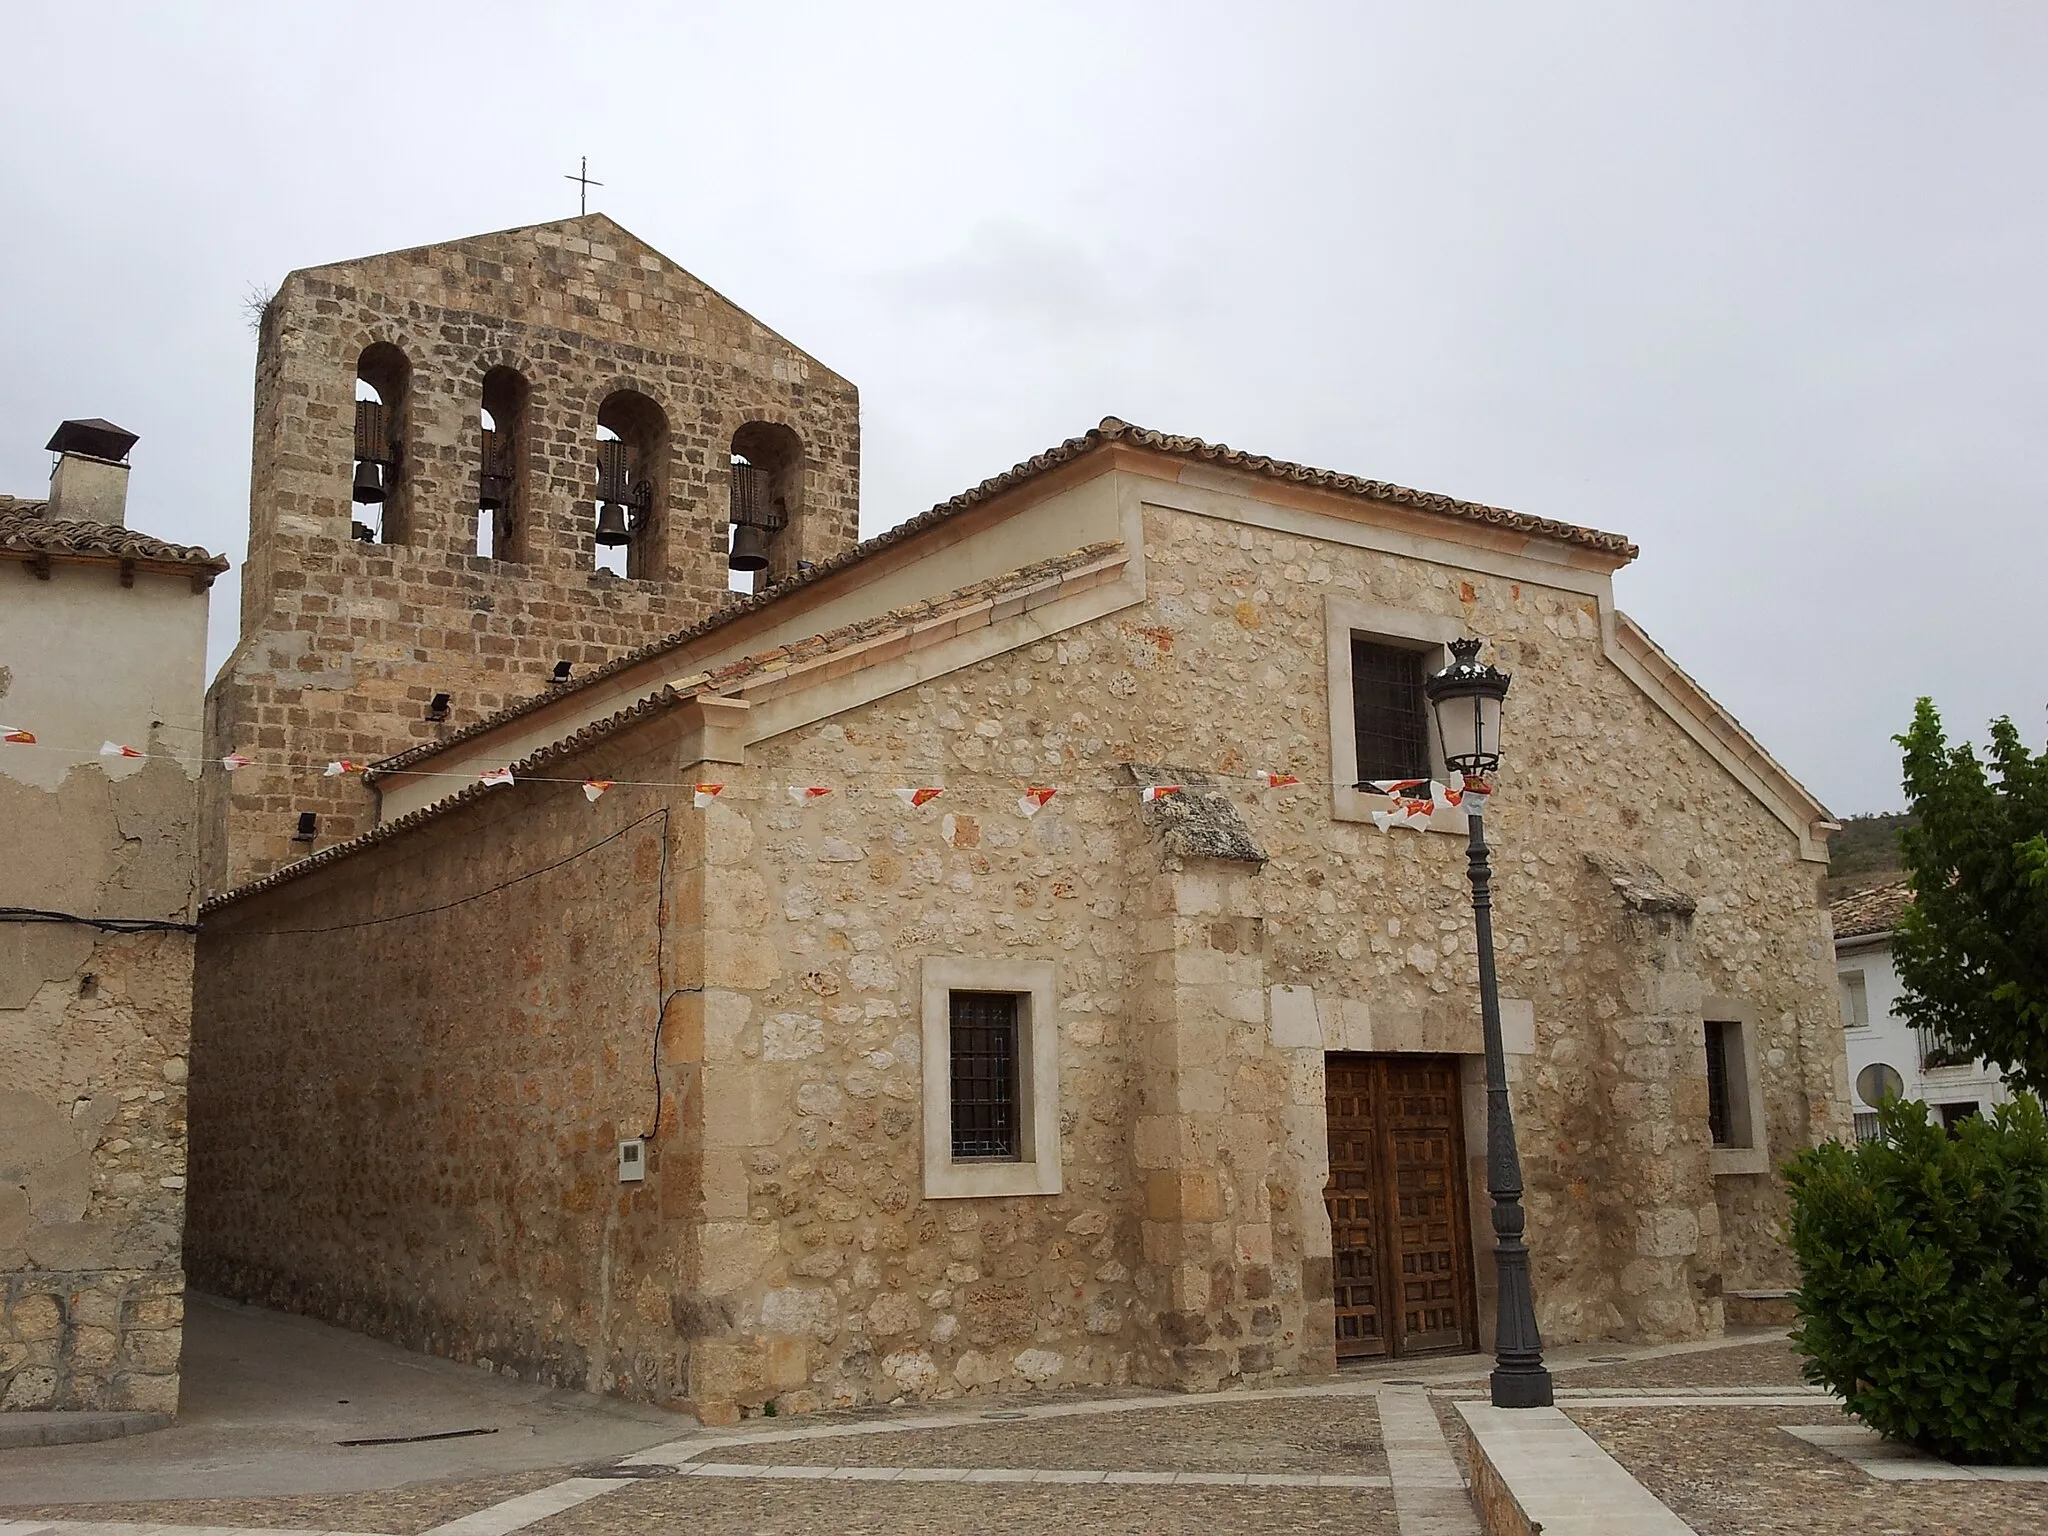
1760,285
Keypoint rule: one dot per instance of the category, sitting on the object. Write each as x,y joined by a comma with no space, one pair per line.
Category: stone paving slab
708,1506
1734,1472
1868,1451
1536,1464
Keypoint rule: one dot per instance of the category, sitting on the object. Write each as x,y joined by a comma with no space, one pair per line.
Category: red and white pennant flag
592,788
115,749
495,777
339,766
916,797
1034,799
705,794
235,760
1158,792
1272,780
804,794
15,734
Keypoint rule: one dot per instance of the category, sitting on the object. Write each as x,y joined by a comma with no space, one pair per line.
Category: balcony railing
1934,1054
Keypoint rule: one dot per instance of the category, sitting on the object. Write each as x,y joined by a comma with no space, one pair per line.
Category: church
976,958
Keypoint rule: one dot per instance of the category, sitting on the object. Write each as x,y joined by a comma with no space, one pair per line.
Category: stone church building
638,1020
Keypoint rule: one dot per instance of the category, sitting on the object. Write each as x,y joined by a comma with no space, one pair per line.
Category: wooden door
1402,1265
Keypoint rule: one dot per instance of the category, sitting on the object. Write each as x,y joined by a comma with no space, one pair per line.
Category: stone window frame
1345,618
1751,1152
1038,1169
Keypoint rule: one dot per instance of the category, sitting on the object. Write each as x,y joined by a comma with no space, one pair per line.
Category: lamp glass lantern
1466,697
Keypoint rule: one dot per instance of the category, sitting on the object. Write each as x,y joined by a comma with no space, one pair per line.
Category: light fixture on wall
438,707
309,827
561,673
1466,697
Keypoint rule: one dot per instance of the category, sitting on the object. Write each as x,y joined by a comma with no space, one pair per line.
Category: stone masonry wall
408,1124
345,643
93,1041
451,1172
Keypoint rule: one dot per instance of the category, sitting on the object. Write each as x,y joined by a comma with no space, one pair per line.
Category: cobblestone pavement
1309,1457
395,1512
717,1506
1731,1472
1765,1364
1312,1435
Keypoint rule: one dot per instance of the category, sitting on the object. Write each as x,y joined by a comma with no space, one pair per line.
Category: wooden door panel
1402,1266
1353,1199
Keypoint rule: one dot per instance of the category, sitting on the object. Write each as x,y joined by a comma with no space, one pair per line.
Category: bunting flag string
1409,803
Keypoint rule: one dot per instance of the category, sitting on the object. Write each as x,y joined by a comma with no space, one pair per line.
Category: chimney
90,481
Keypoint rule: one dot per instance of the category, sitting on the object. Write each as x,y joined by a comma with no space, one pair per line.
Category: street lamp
1466,697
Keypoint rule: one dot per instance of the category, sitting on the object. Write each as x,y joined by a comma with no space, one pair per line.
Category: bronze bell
491,492
369,486
611,525
749,548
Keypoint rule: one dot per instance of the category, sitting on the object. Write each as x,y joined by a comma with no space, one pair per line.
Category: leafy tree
1923,1279
1972,949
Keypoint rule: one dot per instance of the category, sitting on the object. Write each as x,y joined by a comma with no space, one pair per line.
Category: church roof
28,532
1111,430
1874,910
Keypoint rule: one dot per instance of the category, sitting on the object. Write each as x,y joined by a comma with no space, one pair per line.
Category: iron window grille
1390,711
984,1076
1719,1120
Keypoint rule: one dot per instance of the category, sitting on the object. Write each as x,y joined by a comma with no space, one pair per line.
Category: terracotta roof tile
1111,430
1874,910
28,532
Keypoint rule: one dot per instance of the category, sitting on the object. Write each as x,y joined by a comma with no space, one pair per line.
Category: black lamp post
1467,699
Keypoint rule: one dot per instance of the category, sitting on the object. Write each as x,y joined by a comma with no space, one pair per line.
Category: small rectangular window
1389,711
1855,1000
1720,1109
1867,1128
984,1076
1953,1115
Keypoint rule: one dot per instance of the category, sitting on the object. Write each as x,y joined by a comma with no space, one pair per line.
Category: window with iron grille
1720,1122
1867,1128
984,1076
1389,711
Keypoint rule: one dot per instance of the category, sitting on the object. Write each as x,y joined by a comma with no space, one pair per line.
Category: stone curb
19,1430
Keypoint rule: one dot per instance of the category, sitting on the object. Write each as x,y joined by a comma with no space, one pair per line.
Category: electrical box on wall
632,1161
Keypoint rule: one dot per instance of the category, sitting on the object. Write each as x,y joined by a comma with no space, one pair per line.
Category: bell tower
475,462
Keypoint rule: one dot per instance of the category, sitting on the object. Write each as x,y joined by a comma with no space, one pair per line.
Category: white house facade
1887,1055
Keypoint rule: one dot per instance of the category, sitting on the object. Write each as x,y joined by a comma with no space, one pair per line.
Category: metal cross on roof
582,177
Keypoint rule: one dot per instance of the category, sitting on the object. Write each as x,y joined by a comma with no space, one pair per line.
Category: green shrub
1923,1295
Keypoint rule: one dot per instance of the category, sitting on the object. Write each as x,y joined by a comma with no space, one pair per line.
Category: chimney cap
94,438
